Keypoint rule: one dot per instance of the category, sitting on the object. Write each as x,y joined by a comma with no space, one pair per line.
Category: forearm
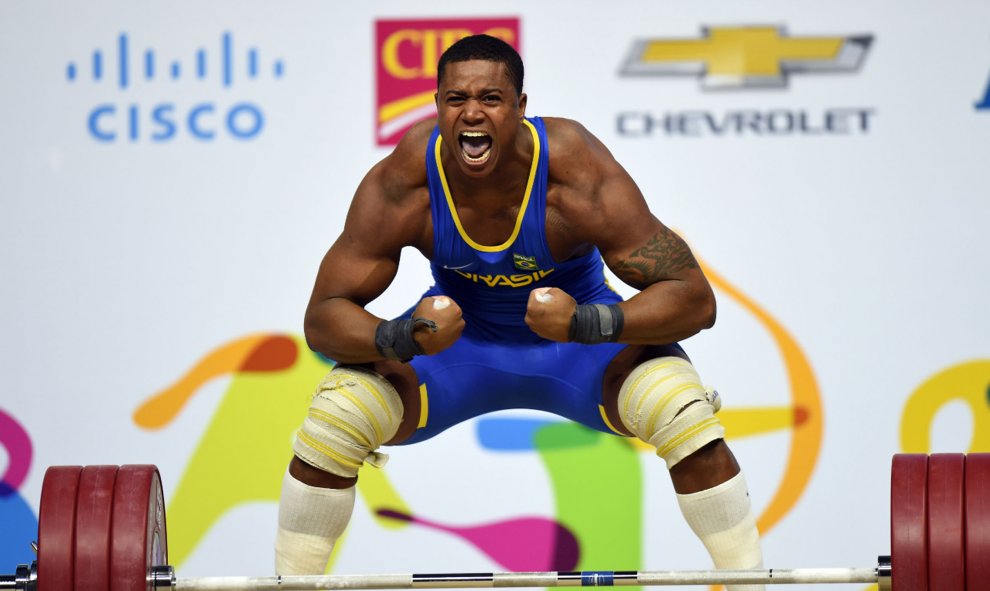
667,312
342,330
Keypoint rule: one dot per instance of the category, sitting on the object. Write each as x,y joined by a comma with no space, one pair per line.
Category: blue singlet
499,363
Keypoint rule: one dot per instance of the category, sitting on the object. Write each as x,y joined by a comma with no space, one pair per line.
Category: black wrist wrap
596,323
394,338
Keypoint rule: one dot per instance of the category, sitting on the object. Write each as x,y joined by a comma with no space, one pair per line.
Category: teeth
479,159
476,134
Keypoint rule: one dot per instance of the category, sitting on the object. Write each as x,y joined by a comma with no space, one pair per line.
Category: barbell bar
102,528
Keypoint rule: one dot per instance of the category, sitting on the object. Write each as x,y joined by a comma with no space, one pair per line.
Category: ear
522,105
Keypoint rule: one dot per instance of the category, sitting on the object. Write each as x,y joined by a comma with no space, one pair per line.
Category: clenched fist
447,315
548,313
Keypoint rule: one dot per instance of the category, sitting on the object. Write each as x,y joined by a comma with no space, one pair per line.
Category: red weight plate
977,521
56,528
946,522
908,522
138,540
94,506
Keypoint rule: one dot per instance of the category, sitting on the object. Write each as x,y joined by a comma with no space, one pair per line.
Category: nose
472,112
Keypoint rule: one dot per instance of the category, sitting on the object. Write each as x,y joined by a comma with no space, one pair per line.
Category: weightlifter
517,216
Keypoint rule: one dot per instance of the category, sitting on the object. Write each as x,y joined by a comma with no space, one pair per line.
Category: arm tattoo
662,256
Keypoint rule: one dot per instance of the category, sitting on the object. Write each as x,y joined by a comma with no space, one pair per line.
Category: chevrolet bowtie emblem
742,57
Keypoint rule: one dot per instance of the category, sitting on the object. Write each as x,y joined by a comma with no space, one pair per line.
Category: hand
548,313
447,314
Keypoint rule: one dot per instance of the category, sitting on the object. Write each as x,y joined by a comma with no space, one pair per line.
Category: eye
491,99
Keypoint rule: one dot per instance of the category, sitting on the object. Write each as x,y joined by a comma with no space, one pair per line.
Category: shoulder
589,190
394,195
566,135
404,170
577,157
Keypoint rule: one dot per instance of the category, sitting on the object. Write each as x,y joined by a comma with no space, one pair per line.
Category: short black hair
487,48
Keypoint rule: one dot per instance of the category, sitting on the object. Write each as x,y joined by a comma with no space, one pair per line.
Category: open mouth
476,146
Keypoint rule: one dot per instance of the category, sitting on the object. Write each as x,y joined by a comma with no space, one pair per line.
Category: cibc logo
406,69
186,79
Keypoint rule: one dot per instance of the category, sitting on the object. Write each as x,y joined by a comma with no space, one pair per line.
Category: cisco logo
212,73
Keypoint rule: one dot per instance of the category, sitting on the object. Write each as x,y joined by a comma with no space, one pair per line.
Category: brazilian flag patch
525,263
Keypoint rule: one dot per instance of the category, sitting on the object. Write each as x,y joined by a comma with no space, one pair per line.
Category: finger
542,294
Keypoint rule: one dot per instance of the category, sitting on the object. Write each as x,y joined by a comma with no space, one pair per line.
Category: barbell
102,528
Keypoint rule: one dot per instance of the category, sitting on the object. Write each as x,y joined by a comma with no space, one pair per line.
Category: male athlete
517,216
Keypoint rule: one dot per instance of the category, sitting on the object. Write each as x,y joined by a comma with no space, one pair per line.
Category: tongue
476,146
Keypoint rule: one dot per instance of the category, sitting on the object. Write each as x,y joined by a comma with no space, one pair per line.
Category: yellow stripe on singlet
522,208
424,406
608,423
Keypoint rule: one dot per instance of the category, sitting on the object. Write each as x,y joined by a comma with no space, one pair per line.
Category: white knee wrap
664,403
353,412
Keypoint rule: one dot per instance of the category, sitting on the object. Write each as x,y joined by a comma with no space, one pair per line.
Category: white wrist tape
353,412
310,519
664,403
722,518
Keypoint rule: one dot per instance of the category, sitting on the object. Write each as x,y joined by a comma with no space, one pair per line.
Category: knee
664,403
352,413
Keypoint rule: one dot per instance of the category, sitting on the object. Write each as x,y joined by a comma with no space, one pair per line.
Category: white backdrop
849,250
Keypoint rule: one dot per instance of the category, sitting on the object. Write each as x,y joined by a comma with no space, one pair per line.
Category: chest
488,226
497,226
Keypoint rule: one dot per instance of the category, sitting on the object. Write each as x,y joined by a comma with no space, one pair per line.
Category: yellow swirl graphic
968,383
806,408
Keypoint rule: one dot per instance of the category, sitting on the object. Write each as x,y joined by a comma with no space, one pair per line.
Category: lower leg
710,466
712,495
663,402
353,412
314,509
313,476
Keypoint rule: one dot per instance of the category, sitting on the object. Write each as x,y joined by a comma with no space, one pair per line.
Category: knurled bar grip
533,579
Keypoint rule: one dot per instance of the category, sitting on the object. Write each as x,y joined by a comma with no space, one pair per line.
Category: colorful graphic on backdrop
271,380
745,57
20,524
222,68
966,383
406,54
984,103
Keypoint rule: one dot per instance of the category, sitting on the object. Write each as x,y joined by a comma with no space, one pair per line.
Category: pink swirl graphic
520,545
16,441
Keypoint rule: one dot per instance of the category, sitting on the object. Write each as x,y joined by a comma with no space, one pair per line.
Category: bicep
354,272
635,245
363,261
653,256
609,211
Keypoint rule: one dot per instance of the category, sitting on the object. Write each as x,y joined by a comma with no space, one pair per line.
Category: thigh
464,381
475,377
